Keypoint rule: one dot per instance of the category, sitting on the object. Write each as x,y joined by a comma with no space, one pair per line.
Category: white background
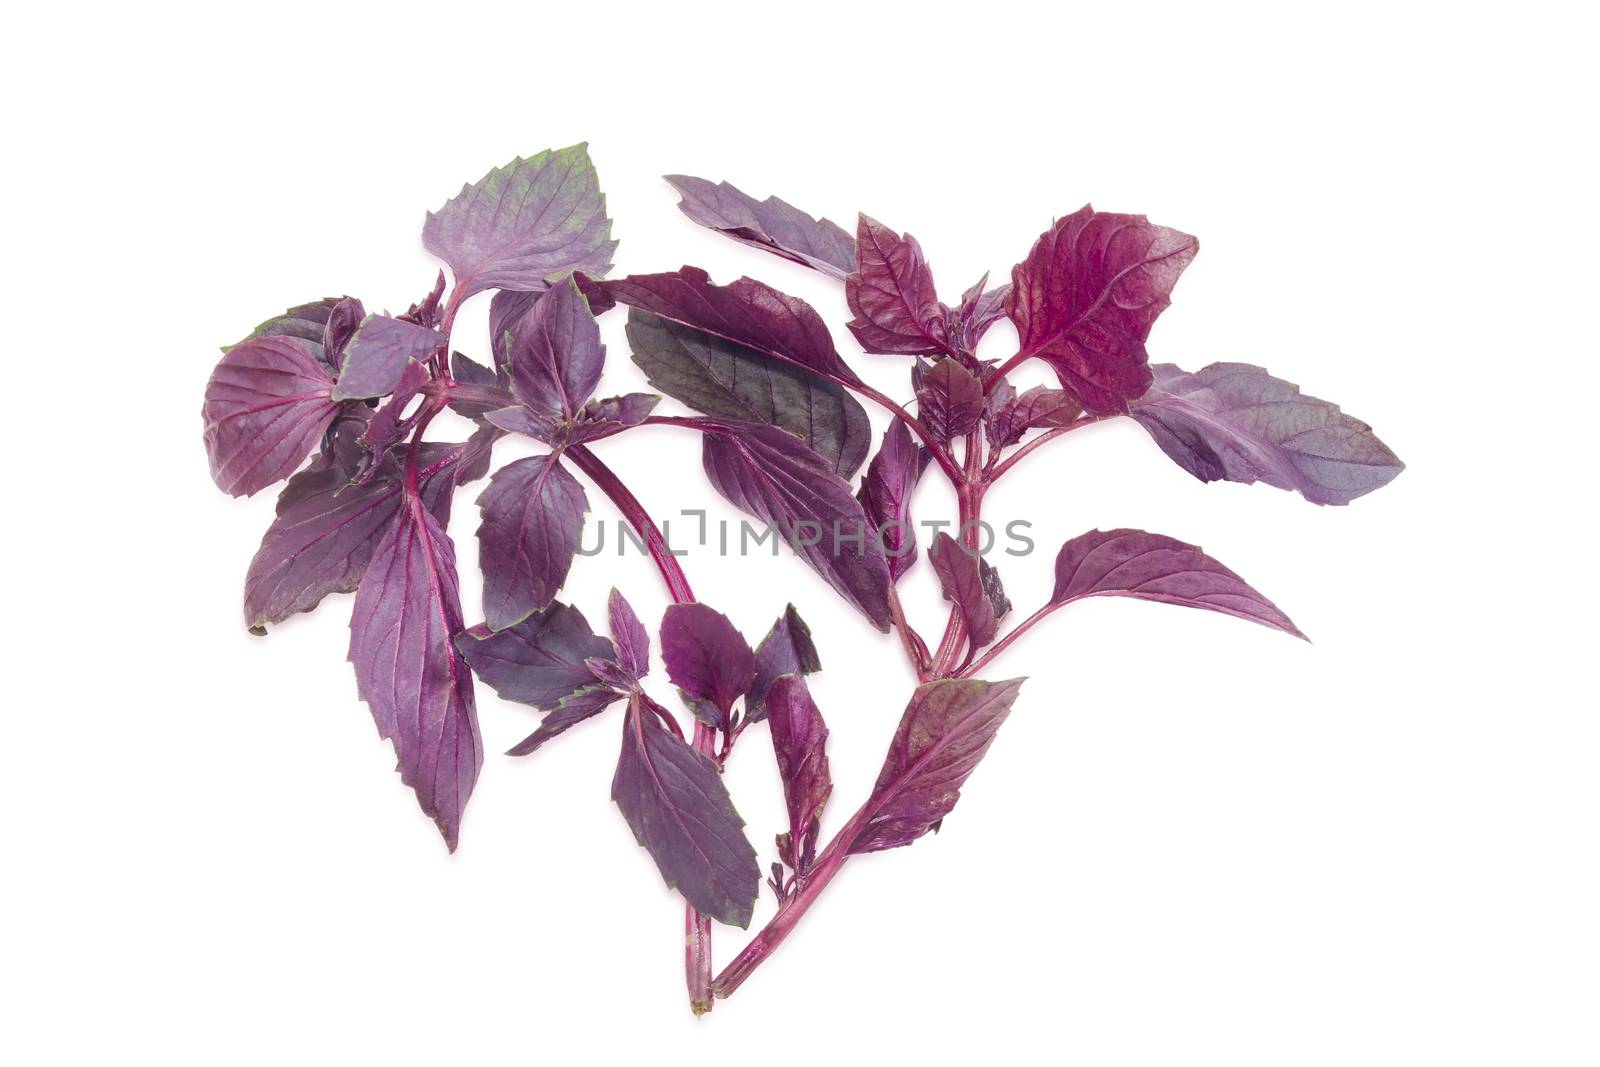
1195,841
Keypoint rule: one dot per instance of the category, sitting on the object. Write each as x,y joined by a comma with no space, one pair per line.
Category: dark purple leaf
891,294
613,674
584,704
518,419
523,224
994,590
961,579
391,424
949,400
1038,408
885,496
980,309
1085,298
772,475
629,635
532,513
945,731
326,528
745,312
1235,421
555,356
540,660
343,320
267,406
678,808
769,224
727,380
427,312
406,612
506,312
468,372
799,740
602,418
305,322
787,649
1148,566
706,656
378,354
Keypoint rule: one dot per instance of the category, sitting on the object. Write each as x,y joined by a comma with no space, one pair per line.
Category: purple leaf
727,380
787,649
745,312
674,800
706,656
949,400
523,224
799,740
629,635
343,320
555,356
961,579
885,496
506,312
994,590
267,406
326,529
980,309
469,372
1085,298
602,418
891,294
1038,408
391,424
378,354
1235,421
1148,566
518,419
579,706
945,731
304,322
769,224
774,476
539,661
532,513
406,612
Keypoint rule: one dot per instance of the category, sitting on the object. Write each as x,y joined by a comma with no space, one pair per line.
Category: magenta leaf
555,356
949,400
891,294
706,657
1148,566
1037,408
745,312
799,740
1085,298
539,661
630,636
885,496
407,610
379,353
267,406
961,579
774,476
945,731
578,707
532,514
523,224
1235,421
674,800
728,380
787,649
769,224
327,529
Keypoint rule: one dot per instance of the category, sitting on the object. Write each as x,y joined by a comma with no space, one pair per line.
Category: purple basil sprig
337,402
